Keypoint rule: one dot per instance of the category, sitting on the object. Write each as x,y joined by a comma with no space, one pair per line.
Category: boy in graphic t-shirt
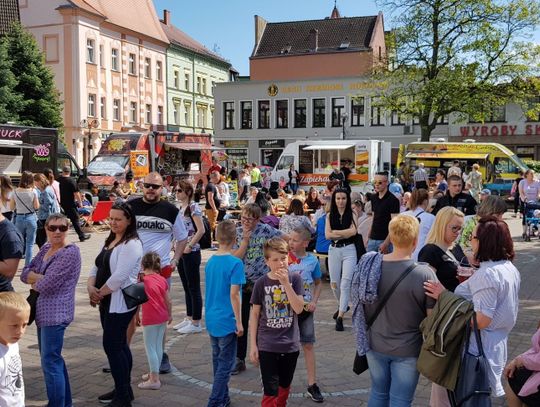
274,336
14,314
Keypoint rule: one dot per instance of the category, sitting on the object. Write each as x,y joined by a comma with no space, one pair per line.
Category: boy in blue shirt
224,276
307,265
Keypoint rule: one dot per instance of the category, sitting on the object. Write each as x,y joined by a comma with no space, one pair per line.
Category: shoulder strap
389,293
21,201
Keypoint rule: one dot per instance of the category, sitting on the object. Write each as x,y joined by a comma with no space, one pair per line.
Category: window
148,114
116,109
90,57
102,108
285,162
176,79
319,114
186,81
264,114
443,119
358,112
204,86
176,112
300,113
198,84
213,86
338,108
114,59
133,112
159,71
396,119
147,68
201,117
187,115
246,111
160,114
282,114
212,117
416,120
228,108
377,115
101,62
132,59
91,105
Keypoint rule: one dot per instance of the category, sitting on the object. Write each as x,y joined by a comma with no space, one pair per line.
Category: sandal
148,385
145,377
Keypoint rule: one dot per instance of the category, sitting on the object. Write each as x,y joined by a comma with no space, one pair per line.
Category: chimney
314,39
166,17
260,25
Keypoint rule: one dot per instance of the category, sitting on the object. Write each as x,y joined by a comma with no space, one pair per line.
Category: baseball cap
485,191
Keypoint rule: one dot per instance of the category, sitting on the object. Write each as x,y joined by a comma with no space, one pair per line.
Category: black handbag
134,295
472,389
360,364
32,300
359,246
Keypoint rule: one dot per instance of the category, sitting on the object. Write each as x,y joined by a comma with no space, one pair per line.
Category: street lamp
344,117
89,124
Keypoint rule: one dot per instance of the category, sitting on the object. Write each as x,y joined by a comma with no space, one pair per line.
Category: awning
329,147
450,156
189,146
15,144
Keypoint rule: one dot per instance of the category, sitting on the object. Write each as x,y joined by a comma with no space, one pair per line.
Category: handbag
472,389
134,295
32,300
360,364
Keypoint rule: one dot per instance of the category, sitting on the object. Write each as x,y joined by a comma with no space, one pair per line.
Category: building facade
109,61
192,74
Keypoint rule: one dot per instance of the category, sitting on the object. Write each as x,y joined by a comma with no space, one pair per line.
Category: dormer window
345,44
286,49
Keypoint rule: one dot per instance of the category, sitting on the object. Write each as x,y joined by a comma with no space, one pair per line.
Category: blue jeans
223,358
373,245
50,343
27,226
294,188
393,380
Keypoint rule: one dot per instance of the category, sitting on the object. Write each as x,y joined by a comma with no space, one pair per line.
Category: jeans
73,215
153,345
373,245
277,370
50,343
27,226
294,188
393,380
223,359
189,271
117,350
245,309
342,261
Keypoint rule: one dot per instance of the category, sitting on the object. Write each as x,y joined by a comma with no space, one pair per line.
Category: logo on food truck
42,153
322,179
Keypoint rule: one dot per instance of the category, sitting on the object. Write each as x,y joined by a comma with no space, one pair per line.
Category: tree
10,102
40,102
459,56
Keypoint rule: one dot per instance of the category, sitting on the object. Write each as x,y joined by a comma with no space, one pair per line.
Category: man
420,177
484,194
213,201
215,167
233,175
396,188
440,180
255,174
346,170
70,198
384,206
11,252
158,223
402,176
337,175
456,197
454,170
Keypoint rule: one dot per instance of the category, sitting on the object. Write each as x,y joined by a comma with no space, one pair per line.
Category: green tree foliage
10,102
460,56
40,104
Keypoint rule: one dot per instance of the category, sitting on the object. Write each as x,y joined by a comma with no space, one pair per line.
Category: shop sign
496,130
235,144
271,143
139,163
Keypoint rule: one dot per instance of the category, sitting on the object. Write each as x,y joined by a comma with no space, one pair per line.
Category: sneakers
182,324
190,328
314,393
165,366
337,313
108,398
339,324
84,237
240,366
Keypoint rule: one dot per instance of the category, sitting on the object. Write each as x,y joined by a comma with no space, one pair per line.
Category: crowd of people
393,257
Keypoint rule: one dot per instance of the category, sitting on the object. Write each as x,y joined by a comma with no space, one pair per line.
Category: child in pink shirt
156,313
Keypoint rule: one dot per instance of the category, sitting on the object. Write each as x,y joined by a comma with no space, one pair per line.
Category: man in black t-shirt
211,195
70,198
456,198
11,252
384,205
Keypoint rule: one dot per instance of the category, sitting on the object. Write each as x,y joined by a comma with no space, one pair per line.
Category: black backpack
206,240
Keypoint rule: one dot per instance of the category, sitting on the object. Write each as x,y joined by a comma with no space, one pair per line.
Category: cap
485,191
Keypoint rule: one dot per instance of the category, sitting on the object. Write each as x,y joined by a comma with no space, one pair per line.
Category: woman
493,205
494,290
253,191
515,192
190,263
25,202
225,198
295,218
267,217
117,267
47,206
54,273
341,229
53,183
244,183
313,202
419,202
529,190
118,191
474,181
6,193
441,251
294,178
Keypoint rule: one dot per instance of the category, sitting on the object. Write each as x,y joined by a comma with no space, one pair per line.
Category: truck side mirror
84,172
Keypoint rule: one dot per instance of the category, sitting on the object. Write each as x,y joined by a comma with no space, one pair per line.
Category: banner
138,160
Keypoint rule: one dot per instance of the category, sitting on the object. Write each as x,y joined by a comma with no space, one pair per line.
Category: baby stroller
531,213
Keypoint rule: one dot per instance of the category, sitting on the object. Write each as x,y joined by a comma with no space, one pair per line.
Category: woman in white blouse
116,267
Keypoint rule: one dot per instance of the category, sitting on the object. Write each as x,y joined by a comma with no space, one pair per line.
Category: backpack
206,239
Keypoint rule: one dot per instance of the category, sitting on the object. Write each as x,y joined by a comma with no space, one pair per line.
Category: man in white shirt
420,177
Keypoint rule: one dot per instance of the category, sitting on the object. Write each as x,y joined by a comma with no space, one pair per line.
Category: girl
25,202
156,314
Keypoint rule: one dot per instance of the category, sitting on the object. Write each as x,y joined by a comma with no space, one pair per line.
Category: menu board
305,160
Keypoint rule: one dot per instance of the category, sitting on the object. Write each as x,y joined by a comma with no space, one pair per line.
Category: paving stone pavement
189,383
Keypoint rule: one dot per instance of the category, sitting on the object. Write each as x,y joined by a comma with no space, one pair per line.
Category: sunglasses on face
151,186
456,229
379,182
54,228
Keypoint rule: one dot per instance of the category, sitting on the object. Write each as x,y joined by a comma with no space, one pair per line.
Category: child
156,313
14,314
307,266
224,275
274,336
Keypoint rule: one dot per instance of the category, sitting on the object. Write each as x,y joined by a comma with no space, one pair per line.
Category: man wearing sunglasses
159,223
456,197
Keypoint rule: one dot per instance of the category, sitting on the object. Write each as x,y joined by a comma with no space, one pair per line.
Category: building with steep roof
192,73
109,61
9,13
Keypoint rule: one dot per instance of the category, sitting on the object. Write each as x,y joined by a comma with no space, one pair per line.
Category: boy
307,266
274,336
224,275
14,314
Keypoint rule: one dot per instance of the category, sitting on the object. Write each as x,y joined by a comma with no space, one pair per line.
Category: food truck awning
190,146
15,144
329,147
452,156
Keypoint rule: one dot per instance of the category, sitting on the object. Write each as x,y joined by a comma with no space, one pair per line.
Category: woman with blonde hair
441,251
474,181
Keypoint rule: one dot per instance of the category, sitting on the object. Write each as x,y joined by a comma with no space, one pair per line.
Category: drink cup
464,273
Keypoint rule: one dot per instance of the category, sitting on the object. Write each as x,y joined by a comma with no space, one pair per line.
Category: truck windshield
111,165
519,163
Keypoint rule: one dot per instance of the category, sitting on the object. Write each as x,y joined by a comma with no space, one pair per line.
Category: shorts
517,382
307,329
